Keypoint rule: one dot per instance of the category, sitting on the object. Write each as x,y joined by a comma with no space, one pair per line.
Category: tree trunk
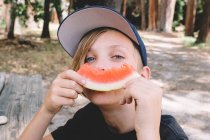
166,15
153,10
143,18
11,22
205,21
45,30
190,18
57,4
123,8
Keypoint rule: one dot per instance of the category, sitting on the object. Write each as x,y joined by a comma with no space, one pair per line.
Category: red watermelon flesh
109,79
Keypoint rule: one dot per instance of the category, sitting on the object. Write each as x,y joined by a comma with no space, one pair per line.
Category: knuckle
54,90
55,82
71,102
68,72
73,84
74,94
53,99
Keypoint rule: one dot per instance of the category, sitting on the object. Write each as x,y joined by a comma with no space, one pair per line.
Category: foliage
199,8
20,11
179,13
38,10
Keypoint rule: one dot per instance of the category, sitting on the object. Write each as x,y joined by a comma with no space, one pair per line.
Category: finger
65,101
72,75
68,93
122,101
69,84
129,100
133,81
128,97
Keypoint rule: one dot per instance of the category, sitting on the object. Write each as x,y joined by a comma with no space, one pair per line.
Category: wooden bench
20,98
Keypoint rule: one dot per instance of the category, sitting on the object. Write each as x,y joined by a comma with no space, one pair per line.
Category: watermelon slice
107,80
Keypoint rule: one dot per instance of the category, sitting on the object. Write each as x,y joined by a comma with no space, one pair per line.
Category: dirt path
184,75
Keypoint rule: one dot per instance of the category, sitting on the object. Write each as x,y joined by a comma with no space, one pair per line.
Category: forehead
112,39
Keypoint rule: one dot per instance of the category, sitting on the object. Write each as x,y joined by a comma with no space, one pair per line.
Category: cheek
134,63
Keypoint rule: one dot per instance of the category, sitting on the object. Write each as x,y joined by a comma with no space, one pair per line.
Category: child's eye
118,57
89,59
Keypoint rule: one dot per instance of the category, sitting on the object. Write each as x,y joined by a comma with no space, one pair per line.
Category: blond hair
87,41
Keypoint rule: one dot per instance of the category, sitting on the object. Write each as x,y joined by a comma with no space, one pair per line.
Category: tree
143,18
45,30
205,21
190,17
57,5
153,10
11,22
123,8
166,15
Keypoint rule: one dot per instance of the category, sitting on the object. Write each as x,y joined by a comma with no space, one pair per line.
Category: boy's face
111,49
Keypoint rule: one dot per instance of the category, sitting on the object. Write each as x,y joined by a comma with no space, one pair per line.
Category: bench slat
2,80
20,99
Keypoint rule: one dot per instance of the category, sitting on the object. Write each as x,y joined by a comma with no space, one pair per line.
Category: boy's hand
148,98
63,91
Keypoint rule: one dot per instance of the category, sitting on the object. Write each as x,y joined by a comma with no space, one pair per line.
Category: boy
104,39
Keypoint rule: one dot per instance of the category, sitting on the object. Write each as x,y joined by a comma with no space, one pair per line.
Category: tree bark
190,18
11,22
57,4
166,15
143,18
45,30
205,21
153,10
123,8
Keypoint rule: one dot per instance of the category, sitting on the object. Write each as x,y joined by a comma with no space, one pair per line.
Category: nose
102,64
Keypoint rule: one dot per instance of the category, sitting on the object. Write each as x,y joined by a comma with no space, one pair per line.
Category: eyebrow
111,46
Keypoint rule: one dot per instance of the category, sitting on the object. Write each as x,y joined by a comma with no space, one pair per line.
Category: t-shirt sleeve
170,129
62,132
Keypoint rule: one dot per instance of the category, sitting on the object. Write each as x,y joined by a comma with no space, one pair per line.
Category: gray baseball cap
74,26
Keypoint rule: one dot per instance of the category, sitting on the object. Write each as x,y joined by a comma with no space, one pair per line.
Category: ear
146,72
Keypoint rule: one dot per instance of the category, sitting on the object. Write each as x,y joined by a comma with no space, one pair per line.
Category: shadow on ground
184,75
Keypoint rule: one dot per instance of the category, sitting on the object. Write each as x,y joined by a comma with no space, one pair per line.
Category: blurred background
28,27
176,34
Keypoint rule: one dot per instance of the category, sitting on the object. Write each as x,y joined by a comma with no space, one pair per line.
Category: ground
182,71
184,75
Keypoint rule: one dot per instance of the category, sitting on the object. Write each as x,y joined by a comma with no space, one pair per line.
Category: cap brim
80,22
